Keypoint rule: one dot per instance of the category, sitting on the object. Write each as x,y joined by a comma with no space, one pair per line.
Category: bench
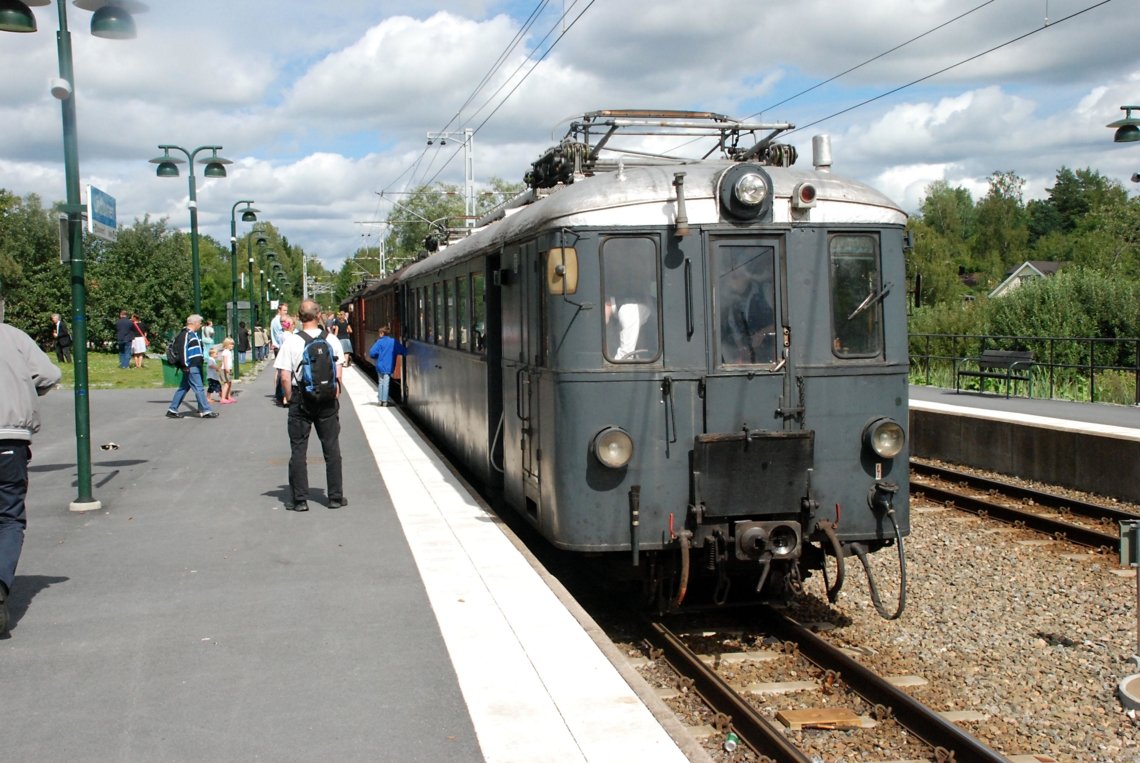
1009,365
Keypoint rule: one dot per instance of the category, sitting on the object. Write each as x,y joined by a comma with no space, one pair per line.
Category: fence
1095,369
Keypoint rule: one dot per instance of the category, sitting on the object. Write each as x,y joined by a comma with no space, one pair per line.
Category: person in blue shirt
383,353
191,361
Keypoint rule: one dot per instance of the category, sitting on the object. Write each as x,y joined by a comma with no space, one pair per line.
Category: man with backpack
308,367
185,352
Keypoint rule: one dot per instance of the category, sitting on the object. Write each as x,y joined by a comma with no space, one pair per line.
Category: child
227,370
214,384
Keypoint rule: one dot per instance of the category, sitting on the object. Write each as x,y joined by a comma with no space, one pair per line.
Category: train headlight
884,436
613,447
750,189
745,192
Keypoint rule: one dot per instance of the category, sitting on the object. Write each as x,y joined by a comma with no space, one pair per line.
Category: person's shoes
3,611
338,503
208,415
173,415
298,506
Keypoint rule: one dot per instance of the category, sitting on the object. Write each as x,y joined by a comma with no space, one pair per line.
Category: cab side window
856,296
630,297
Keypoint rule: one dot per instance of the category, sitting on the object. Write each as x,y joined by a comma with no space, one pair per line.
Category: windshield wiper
871,299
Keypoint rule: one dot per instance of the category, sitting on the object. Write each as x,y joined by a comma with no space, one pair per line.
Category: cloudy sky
323,105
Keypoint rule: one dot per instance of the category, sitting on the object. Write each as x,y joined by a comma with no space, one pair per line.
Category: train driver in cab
624,324
747,318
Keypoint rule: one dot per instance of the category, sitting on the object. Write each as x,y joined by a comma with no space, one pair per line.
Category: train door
522,342
746,340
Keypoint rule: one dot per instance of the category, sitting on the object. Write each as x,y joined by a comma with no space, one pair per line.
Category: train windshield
629,291
745,302
856,295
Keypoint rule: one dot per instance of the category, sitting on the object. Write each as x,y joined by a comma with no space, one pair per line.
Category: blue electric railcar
697,366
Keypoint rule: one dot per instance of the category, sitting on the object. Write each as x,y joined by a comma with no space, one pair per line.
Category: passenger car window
745,296
463,316
629,293
479,308
856,296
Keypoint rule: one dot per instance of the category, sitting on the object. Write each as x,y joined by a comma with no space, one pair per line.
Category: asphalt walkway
193,618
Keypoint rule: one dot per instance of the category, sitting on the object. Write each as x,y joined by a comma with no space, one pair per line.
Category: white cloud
322,105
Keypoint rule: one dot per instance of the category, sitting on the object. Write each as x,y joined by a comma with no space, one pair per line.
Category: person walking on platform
277,334
26,373
124,335
191,359
307,412
62,338
383,353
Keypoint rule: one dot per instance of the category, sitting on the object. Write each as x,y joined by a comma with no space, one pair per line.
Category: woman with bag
139,342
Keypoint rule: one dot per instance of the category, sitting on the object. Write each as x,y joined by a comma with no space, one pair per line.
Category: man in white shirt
305,415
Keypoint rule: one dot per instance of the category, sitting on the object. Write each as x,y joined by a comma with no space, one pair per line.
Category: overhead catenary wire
518,84
1043,27
487,77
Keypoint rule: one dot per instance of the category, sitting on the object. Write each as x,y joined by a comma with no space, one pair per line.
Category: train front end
722,394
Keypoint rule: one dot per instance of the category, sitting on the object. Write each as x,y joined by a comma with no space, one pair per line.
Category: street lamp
114,22
261,241
168,168
248,215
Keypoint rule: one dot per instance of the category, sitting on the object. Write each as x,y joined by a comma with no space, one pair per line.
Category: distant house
1026,271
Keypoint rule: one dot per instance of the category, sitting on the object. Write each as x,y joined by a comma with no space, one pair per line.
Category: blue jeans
191,380
14,457
382,381
124,354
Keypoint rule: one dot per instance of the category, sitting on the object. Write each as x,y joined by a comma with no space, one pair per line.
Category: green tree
1002,234
145,270
33,281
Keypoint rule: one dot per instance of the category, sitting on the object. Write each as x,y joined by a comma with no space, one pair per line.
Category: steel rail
916,717
1083,536
1040,497
753,729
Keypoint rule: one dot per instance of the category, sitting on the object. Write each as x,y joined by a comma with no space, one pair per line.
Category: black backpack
318,369
174,349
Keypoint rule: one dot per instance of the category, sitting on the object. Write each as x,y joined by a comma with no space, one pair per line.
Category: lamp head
216,165
1128,128
167,164
16,16
1126,134
249,215
112,19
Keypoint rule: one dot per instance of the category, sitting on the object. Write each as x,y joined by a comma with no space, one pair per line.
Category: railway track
997,499
735,712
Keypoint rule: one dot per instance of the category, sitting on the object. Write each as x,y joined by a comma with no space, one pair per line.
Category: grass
103,372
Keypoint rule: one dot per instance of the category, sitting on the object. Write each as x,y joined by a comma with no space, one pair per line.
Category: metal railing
1095,369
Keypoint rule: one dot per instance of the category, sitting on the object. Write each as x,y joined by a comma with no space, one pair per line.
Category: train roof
645,196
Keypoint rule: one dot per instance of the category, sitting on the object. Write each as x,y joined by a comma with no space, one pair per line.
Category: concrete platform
193,618
1084,446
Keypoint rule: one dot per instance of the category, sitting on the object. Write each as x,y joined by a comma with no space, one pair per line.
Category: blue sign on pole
101,219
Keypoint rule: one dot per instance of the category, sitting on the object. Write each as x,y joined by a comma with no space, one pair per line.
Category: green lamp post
248,215
111,20
215,168
255,304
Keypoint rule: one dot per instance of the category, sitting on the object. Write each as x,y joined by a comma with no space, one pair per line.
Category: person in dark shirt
124,335
62,336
